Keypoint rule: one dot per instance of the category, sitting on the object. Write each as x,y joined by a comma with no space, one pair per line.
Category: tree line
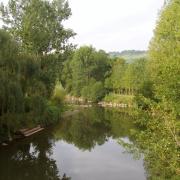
93,74
35,56
154,82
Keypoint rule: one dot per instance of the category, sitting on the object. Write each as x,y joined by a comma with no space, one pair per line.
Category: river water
85,146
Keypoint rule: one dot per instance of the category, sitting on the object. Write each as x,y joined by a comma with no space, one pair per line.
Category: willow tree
11,95
28,74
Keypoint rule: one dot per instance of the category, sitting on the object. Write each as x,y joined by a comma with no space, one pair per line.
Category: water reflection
94,127
29,160
83,147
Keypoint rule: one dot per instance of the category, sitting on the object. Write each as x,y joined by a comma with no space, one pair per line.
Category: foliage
58,94
38,24
93,126
126,78
159,137
159,142
93,92
51,115
28,70
164,64
86,72
113,82
118,98
11,95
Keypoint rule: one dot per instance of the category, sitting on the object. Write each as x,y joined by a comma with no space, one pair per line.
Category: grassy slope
118,98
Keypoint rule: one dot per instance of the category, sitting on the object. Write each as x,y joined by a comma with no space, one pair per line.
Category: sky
113,25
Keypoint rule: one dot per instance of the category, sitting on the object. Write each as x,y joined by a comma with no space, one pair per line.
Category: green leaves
85,73
159,136
37,24
164,64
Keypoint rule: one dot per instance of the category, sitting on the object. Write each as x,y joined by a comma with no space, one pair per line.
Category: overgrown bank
35,57
30,92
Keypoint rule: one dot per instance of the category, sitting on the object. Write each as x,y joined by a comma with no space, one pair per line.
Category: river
84,146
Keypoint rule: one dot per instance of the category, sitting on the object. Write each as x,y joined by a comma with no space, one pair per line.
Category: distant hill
129,55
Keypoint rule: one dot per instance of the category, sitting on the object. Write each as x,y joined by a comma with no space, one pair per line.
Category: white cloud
113,24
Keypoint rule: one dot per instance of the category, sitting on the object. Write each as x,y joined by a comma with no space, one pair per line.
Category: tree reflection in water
93,126
30,160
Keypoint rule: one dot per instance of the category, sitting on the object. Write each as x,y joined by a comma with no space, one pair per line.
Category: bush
142,102
58,95
52,115
97,92
94,92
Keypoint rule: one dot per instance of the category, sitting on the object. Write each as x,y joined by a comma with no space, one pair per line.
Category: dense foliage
159,140
37,24
30,74
30,92
92,74
84,74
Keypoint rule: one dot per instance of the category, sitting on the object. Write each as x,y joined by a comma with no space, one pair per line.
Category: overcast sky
114,25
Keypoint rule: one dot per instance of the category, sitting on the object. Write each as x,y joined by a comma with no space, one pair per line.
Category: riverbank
71,109
30,131
110,100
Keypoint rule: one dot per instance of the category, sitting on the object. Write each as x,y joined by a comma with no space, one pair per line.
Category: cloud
113,25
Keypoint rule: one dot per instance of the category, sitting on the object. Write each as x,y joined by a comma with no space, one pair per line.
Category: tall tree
38,24
114,82
160,138
164,54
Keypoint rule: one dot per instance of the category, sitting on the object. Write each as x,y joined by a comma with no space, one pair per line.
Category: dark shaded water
83,147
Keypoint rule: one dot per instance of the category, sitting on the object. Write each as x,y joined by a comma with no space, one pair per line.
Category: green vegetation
29,91
93,126
37,24
152,81
119,99
92,74
126,78
35,58
84,74
159,137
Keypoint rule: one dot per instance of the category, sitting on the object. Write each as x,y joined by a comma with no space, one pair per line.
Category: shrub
97,92
52,115
94,91
58,95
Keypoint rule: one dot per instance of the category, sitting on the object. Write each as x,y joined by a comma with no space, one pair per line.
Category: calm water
82,147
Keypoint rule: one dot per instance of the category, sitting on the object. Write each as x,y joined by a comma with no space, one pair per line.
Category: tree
114,81
86,67
164,64
135,75
82,66
38,24
159,138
